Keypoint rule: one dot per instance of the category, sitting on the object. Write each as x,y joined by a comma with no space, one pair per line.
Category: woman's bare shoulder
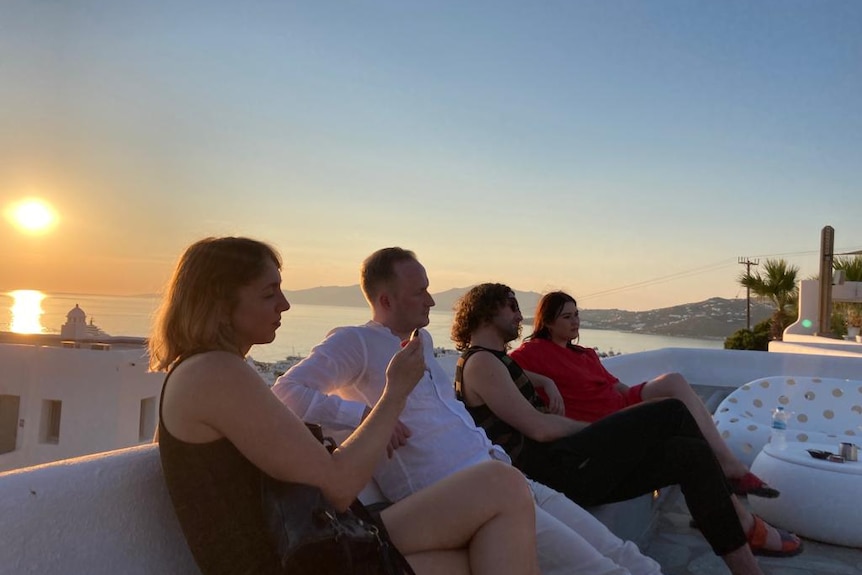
205,389
213,368
215,359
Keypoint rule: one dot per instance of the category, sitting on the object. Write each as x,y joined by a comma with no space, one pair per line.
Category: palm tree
852,267
777,285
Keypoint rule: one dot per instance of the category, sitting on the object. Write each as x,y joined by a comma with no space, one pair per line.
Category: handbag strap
317,431
394,561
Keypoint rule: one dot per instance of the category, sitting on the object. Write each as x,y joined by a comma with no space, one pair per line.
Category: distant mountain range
351,296
713,318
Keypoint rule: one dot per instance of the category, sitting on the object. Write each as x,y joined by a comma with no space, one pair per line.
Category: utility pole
747,263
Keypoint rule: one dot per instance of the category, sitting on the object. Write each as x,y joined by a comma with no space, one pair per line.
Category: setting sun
27,311
32,215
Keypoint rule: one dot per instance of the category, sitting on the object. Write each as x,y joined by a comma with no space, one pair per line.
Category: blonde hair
378,270
195,313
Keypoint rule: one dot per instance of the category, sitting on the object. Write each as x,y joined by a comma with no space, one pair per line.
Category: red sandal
750,484
790,544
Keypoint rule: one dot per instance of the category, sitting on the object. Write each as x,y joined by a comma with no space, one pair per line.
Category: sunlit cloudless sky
626,151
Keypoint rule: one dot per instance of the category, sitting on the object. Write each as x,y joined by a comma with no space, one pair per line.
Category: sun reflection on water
27,311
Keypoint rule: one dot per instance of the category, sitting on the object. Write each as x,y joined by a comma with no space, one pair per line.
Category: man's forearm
570,425
316,407
557,426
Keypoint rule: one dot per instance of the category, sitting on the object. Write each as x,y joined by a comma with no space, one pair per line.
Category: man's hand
406,367
555,400
399,438
399,435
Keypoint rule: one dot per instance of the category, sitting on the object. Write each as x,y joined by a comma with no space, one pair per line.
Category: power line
838,251
660,279
696,271
783,254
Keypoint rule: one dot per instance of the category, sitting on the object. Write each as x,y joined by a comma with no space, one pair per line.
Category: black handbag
311,537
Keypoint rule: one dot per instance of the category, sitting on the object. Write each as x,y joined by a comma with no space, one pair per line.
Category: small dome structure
76,314
76,327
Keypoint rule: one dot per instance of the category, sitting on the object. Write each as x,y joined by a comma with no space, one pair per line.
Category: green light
807,323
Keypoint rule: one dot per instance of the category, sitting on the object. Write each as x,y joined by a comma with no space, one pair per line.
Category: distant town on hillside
713,318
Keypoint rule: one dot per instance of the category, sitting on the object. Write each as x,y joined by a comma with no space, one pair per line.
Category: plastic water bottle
778,437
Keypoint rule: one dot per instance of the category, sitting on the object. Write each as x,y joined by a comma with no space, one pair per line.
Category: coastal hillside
712,318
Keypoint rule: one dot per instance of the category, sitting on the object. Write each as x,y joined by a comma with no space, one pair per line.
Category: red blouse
587,388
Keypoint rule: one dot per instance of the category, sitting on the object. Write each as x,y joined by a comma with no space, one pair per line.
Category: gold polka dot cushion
822,410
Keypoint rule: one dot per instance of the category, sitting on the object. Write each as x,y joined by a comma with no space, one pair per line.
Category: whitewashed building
62,398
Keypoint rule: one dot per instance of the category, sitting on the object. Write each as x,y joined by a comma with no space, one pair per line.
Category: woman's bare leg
674,385
742,562
487,510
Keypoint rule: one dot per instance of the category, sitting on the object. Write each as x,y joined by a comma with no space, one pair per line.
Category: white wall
110,513
728,368
100,391
106,514
809,306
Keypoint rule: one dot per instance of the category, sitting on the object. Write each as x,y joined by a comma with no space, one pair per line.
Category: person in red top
589,392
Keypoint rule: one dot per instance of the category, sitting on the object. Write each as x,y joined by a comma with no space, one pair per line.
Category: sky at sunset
626,151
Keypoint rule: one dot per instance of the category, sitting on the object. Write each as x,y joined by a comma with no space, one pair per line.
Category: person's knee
508,482
674,384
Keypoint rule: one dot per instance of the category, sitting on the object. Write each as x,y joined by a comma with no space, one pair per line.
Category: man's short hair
378,270
479,305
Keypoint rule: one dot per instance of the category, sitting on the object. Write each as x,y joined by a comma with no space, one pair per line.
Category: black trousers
636,451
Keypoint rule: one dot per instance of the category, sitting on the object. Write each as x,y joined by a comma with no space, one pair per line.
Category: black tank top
215,491
510,439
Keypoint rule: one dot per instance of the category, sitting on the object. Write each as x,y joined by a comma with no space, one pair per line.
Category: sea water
302,327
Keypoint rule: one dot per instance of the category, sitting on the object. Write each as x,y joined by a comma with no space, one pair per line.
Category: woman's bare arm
216,395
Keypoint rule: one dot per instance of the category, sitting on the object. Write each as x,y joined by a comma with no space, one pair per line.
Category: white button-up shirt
347,371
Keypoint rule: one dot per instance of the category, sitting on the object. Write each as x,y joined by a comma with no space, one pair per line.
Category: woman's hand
406,368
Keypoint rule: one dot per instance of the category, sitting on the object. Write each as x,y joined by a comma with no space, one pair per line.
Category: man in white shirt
345,374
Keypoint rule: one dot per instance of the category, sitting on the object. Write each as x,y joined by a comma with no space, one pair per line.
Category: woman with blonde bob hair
221,428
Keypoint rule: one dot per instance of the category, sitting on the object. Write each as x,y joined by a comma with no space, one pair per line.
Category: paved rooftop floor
681,550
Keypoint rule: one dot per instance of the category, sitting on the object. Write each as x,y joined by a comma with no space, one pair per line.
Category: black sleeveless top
510,439
216,493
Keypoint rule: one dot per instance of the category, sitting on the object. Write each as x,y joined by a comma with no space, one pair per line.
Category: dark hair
479,305
378,270
197,305
547,311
